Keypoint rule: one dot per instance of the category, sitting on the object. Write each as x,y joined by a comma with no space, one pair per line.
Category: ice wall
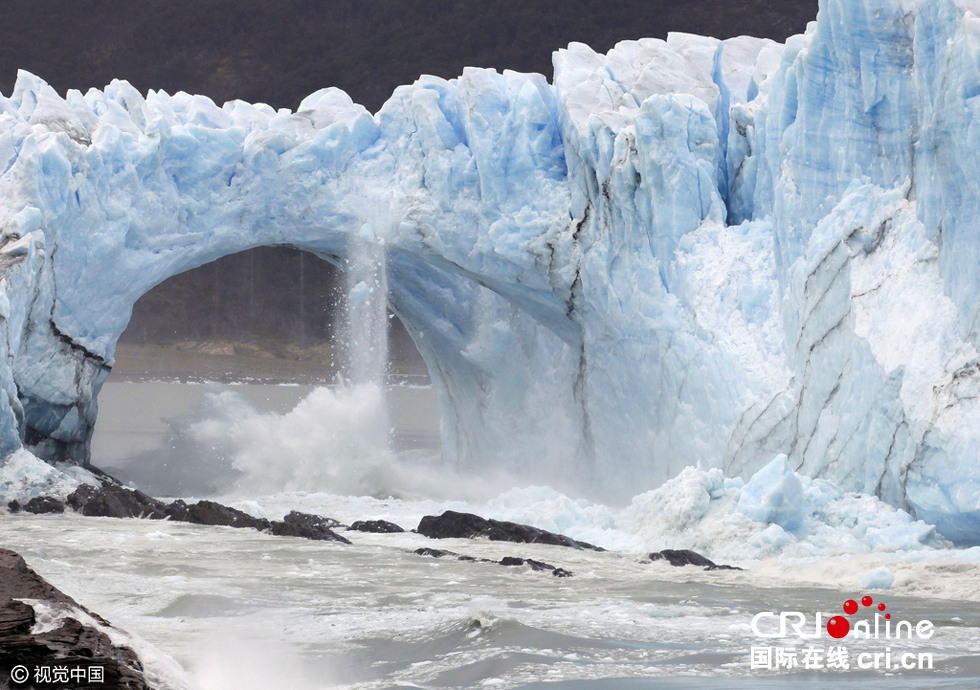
683,251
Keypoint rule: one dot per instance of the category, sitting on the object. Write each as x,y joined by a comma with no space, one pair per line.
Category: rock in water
453,525
308,519
376,526
506,561
211,513
308,526
81,639
435,553
44,504
535,565
112,500
681,557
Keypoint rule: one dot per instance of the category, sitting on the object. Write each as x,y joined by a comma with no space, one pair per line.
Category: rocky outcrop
535,565
376,526
453,525
307,526
681,557
506,561
113,500
211,513
39,505
72,639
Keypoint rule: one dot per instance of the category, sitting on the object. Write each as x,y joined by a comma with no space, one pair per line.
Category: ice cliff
683,251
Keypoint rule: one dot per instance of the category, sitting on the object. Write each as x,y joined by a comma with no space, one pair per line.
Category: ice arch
682,251
115,193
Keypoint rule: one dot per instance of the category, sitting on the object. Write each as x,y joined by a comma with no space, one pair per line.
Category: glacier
683,252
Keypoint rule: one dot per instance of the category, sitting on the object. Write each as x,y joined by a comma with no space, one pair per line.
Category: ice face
683,251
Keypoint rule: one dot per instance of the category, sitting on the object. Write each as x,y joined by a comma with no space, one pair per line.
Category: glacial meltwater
236,608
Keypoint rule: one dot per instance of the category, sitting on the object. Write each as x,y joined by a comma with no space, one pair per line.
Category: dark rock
535,565
44,504
453,525
439,553
211,513
72,644
309,520
376,526
508,560
306,531
680,557
113,500
14,506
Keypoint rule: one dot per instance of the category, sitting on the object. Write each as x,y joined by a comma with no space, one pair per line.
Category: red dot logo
881,607
850,607
838,626
867,601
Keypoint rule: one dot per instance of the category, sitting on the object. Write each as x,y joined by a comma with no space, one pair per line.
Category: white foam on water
242,659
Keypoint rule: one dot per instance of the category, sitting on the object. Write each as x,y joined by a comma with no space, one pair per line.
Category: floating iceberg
683,251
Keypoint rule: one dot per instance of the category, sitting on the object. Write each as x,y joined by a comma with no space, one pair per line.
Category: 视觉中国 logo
861,639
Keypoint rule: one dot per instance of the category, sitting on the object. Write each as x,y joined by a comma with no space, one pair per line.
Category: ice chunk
359,293
701,510
879,578
366,233
23,476
774,495
909,537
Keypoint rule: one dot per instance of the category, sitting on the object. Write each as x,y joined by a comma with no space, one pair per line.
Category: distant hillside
279,52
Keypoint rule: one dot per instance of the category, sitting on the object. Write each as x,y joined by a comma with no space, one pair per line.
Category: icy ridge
682,251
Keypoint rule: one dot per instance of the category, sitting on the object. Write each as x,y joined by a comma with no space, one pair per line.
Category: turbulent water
241,609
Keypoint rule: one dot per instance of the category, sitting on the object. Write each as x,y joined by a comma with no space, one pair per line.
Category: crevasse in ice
683,251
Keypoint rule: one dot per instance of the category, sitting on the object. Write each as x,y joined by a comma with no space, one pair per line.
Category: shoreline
231,363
